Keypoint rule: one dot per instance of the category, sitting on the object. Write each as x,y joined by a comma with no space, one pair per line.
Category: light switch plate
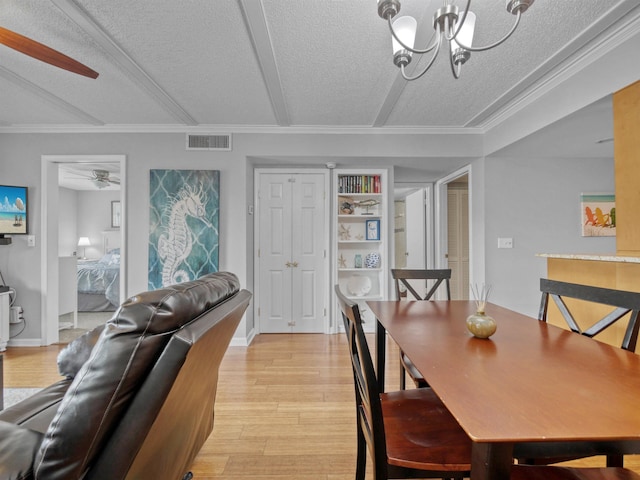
31,240
505,242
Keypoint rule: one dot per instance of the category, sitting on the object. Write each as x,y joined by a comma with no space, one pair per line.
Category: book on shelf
359,184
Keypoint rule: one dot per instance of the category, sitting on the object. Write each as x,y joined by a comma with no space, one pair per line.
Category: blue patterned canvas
183,225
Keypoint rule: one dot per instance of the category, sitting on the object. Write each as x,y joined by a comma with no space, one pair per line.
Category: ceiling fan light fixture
100,183
101,178
451,24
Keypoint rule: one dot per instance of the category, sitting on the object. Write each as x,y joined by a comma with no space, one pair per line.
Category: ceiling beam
424,37
48,96
124,61
254,17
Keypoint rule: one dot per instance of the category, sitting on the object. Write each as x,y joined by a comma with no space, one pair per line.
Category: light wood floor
284,411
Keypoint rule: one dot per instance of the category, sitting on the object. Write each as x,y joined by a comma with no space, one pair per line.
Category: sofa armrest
37,411
76,353
18,448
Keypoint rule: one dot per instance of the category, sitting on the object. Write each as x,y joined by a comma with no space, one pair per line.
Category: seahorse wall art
183,230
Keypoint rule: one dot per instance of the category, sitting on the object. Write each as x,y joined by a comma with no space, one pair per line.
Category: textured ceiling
272,63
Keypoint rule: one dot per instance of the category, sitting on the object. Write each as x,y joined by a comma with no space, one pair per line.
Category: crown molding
241,129
565,67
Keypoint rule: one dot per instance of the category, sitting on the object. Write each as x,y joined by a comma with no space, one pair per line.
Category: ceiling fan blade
43,53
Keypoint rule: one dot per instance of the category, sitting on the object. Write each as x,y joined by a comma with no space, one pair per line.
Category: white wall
537,203
67,222
94,217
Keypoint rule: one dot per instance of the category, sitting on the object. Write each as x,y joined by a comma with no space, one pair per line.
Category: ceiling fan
102,178
99,177
43,53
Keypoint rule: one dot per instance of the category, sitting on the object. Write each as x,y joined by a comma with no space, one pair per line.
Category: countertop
595,257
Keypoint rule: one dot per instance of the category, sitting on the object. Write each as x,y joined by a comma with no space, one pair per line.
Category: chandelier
450,24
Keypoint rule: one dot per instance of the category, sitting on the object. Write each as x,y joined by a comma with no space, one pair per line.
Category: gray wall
534,201
537,203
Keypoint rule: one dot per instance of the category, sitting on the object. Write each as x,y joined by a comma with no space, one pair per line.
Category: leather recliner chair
139,403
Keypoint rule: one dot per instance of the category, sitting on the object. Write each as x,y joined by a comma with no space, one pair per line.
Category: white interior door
292,253
415,209
275,252
458,240
308,254
416,229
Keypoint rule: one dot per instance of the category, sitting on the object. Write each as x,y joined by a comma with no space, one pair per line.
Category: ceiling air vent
209,142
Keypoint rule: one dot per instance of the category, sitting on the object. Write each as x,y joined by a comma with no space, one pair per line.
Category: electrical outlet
31,240
505,242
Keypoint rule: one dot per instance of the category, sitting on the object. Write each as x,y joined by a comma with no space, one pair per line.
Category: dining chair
625,305
529,472
409,433
623,301
403,277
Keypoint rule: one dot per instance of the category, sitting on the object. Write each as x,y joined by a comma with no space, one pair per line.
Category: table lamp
84,242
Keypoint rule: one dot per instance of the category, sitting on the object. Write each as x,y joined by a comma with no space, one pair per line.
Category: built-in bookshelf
361,240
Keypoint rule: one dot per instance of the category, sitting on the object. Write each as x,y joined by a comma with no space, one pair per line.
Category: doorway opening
60,241
453,223
413,226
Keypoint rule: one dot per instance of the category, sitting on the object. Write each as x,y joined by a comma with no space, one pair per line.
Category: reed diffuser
480,324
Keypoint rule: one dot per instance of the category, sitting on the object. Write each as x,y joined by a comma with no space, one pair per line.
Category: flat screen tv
14,216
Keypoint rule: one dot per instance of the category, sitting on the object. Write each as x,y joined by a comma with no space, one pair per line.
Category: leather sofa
137,397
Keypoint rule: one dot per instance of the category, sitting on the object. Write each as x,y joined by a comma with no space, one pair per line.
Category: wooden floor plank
284,410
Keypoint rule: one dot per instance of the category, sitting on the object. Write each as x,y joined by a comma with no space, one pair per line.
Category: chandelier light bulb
464,39
405,29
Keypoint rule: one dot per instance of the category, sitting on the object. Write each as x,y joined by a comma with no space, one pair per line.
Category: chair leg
615,460
402,376
361,455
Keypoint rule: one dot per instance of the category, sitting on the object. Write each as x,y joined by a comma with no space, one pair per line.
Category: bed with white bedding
99,280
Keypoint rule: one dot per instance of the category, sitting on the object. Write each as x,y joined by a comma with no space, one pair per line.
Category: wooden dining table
529,382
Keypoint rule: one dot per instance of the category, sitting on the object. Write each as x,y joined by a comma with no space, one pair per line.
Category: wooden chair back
402,276
368,405
625,303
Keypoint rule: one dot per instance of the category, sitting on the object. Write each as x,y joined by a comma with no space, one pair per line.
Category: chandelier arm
433,59
460,22
413,50
502,40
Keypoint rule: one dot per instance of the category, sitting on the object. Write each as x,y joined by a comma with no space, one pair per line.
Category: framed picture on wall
373,229
184,217
598,214
116,214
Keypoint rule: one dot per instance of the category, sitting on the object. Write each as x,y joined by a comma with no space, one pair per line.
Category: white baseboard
25,342
243,341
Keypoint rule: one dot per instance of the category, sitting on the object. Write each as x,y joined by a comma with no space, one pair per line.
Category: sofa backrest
169,440
142,352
